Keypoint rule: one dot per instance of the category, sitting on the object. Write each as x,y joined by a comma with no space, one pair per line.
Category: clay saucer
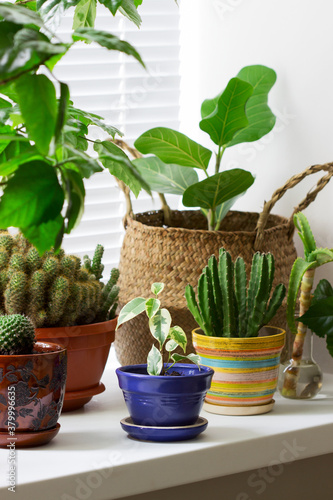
76,399
28,439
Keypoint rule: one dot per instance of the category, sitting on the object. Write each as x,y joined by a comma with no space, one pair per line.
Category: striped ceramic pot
245,370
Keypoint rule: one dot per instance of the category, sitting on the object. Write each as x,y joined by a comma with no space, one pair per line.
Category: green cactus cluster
17,335
228,305
55,289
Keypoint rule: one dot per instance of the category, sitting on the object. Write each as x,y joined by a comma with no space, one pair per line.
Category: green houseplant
44,139
32,384
238,114
301,378
231,314
162,392
69,305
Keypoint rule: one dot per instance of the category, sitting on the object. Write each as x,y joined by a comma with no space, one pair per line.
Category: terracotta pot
88,349
32,386
245,370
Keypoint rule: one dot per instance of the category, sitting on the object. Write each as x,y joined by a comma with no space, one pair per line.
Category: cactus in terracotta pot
54,290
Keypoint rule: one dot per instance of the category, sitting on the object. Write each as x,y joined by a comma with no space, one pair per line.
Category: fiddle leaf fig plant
240,113
168,338
44,138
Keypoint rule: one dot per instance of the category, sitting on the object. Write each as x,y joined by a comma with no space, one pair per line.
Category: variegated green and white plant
168,337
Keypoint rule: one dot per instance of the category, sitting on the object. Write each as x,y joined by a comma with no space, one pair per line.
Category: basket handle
310,197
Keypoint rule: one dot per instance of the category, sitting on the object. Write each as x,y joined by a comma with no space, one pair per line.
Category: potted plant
231,314
68,304
32,384
44,139
301,377
164,397
180,242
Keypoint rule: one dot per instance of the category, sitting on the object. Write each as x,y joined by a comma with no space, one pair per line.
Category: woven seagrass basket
177,253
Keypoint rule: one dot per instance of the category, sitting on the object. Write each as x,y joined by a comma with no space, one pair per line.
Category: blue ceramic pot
165,401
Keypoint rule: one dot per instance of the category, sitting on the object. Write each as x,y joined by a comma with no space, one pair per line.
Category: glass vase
305,375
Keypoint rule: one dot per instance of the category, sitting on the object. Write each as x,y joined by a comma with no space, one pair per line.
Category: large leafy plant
168,337
238,114
44,139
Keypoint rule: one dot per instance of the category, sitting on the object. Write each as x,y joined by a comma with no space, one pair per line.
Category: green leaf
163,178
323,290
38,104
152,306
159,325
82,162
173,147
321,256
319,318
19,15
10,166
305,233
107,40
92,119
217,189
51,9
112,5
195,358
154,361
298,270
75,196
119,165
171,345
62,109
24,49
177,334
131,310
157,288
137,3
84,14
44,236
128,9
223,209
260,117
229,115
32,196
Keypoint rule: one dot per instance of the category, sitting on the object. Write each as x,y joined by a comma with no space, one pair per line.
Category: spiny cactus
17,334
54,290
227,306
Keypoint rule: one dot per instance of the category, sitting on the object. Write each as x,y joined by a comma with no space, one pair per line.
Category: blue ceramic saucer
163,434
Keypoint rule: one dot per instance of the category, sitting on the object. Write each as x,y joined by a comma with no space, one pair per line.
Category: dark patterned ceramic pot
32,389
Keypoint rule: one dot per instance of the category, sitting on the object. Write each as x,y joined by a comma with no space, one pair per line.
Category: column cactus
55,289
226,305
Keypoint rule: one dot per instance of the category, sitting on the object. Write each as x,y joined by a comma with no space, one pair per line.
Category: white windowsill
93,458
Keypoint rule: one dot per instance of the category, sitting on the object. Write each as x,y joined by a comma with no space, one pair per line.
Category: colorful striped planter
245,370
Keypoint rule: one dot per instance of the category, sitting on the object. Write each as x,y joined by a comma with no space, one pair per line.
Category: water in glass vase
302,379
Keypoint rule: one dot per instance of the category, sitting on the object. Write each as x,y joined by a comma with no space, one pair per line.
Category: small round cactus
17,334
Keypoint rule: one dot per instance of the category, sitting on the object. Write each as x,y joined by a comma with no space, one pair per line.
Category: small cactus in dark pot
17,334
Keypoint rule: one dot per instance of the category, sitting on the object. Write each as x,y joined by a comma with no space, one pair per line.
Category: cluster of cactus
227,305
55,289
17,334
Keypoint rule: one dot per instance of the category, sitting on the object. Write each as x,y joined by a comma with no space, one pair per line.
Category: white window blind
116,87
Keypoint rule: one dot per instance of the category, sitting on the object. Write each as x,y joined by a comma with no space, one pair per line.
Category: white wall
295,38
